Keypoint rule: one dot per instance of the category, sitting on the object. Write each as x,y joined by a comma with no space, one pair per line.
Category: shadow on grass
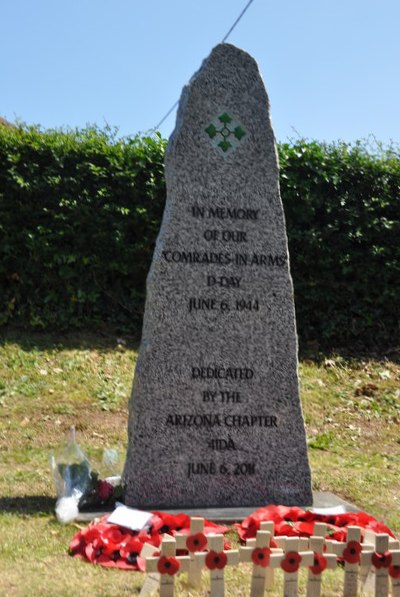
349,354
104,339
108,339
30,504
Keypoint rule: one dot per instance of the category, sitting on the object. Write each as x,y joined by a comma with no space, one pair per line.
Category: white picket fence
372,566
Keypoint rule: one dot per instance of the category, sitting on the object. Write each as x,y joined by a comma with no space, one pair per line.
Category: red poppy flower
345,519
77,545
212,527
295,513
305,529
286,528
382,560
351,554
319,565
291,562
113,546
108,554
141,564
104,490
260,556
289,521
273,543
169,522
216,560
168,565
92,552
144,537
130,549
394,571
107,562
196,542
113,534
91,533
339,535
111,550
124,565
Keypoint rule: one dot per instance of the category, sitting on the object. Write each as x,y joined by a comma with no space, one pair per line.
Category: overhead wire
154,129
237,21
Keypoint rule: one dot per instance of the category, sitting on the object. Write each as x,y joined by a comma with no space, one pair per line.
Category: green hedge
80,210
342,208
78,215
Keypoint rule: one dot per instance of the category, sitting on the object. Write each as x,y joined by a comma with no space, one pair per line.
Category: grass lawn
47,383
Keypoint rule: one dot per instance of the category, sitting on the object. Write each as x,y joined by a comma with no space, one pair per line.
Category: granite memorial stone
215,416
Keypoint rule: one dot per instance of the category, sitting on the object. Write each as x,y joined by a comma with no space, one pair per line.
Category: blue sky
331,67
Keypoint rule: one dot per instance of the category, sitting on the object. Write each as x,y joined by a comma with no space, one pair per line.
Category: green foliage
342,206
323,441
80,211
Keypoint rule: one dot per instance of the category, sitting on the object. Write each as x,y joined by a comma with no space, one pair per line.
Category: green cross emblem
225,133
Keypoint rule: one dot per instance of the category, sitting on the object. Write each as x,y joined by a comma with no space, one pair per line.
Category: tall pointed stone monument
215,416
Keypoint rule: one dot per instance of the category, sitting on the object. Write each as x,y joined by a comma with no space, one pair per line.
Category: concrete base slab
326,499
322,500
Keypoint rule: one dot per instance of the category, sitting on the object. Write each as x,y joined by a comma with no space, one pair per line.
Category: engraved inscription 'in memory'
224,213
